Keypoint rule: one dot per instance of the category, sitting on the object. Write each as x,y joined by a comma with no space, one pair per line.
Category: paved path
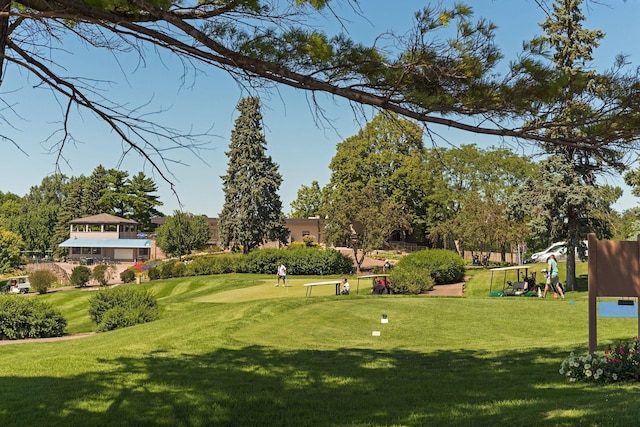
453,290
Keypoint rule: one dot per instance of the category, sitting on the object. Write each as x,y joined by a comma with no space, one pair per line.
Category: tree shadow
582,283
262,386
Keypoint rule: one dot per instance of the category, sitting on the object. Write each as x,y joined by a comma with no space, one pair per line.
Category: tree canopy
182,233
443,72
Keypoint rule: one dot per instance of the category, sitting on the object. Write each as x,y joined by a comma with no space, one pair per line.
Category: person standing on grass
281,274
552,277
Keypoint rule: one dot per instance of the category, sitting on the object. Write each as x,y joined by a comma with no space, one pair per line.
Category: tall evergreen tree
141,201
252,211
73,207
572,48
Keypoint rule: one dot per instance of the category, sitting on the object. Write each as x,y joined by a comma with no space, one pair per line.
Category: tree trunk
571,268
358,260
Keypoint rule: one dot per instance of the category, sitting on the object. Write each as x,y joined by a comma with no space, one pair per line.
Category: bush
128,276
101,274
41,280
166,269
154,273
121,307
443,265
410,280
179,269
80,276
29,318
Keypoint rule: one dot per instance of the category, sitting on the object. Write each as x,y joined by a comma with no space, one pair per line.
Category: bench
310,286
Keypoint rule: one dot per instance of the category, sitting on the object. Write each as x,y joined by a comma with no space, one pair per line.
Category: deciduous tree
367,198
182,233
308,201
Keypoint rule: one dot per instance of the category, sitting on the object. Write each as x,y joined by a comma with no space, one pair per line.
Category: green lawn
235,350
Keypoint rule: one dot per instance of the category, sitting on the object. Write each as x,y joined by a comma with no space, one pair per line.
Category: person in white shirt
282,275
346,288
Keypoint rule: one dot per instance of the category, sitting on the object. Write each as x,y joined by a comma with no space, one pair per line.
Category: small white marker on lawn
375,333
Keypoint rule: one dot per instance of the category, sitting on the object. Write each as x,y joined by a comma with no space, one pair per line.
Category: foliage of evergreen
29,318
252,210
122,307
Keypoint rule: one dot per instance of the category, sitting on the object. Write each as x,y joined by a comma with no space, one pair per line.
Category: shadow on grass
582,283
259,386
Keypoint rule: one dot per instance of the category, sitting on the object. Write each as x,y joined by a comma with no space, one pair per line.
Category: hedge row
299,261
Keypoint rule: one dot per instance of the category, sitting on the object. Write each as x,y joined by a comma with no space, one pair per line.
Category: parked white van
559,249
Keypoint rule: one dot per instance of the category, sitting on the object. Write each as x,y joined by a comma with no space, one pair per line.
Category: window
306,233
75,251
79,228
143,252
96,251
110,227
96,228
86,251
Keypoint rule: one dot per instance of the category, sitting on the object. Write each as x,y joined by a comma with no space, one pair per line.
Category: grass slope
235,350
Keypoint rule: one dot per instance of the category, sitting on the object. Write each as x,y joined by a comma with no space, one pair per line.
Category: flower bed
614,364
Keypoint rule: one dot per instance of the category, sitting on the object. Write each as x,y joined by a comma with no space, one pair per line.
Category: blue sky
204,102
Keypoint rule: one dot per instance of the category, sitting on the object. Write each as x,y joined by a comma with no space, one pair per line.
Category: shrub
166,269
80,276
128,276
121,307
410,279
179,269
29,318
154,273
101,274
443,265
41,280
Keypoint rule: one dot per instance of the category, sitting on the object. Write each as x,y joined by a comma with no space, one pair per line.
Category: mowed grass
234,350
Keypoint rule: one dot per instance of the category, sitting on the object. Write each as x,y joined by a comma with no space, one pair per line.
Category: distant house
106,237
299,228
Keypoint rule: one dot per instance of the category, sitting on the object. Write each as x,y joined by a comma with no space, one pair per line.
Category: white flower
588,372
